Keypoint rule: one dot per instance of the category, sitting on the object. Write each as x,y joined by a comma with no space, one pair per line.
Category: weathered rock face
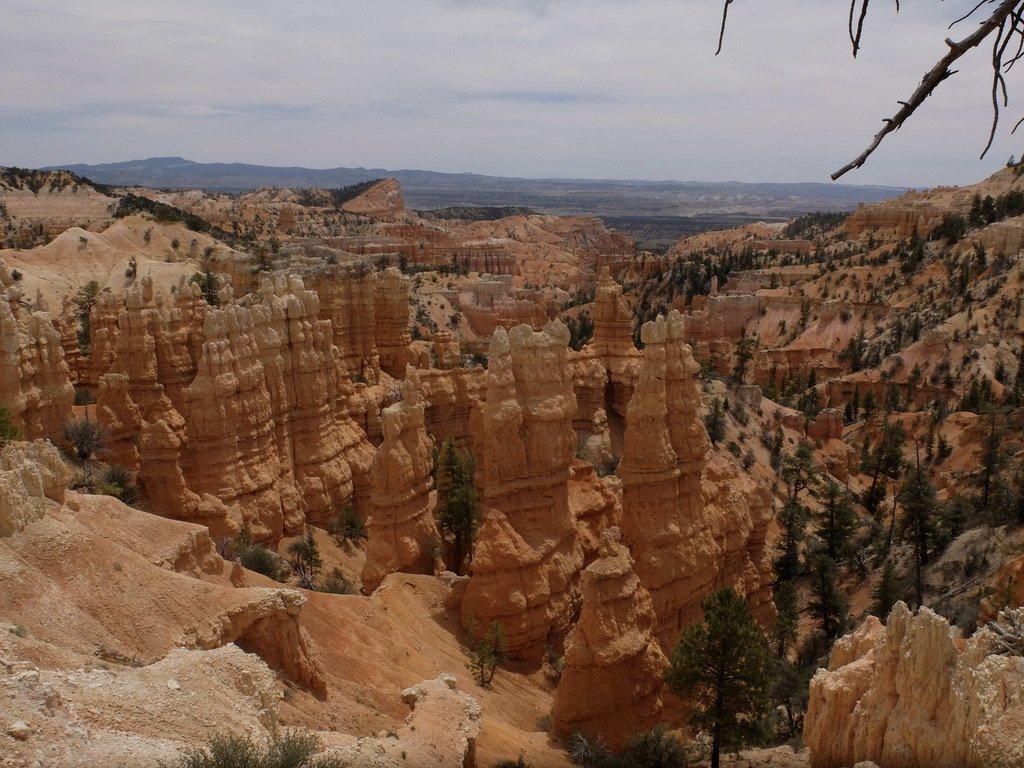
449,396
234,417
907,694
347,299
231,452
527,553
383,200
34,378
828,425
400,528
612,682
30,473
686,536
391,313
613,341
895,219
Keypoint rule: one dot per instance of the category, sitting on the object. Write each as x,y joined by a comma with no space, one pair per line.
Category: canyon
284,370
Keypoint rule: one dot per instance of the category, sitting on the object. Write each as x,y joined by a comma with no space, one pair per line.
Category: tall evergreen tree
885,592
836,521
724,668
787,617
829,604
918,522
458,513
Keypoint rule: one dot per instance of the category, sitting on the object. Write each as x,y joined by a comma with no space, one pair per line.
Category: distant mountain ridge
429,189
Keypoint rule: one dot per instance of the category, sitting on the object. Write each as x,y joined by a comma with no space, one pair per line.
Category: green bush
116,481
336,584
347,526
293,750
258,558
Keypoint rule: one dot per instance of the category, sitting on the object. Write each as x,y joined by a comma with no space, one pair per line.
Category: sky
528,88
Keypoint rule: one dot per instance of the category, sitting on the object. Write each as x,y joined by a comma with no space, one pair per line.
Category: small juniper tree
487,654
305,559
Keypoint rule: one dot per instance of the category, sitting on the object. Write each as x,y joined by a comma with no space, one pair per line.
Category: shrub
7,430
116,481
336,584
258,558
85,436
347,526
487,654
305,559
293,750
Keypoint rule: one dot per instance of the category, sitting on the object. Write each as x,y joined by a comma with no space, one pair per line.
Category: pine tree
793,519
917,524
787,617
458,513
836,521
723,667
884,592
306,560
829,604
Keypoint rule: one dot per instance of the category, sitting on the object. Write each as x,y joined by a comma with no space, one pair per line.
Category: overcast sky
535,88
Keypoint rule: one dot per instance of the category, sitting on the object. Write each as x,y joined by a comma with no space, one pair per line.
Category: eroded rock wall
611,686
34,378
908,694
400,527
688,534
527,553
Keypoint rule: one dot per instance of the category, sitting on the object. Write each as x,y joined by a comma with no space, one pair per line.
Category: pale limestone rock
30,473
907,694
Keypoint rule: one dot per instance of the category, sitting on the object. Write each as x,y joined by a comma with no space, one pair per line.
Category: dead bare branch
940,72
721,32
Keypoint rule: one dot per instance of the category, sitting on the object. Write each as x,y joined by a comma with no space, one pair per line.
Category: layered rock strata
685,542
909,694
612,682
527,554
235,417
400,528
34,377
613,342
391,316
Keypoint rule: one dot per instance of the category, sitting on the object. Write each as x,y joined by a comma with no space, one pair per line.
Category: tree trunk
715,746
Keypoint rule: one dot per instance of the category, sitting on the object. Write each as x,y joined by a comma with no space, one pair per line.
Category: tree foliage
724,668
458,513
919,522
487,654
305,559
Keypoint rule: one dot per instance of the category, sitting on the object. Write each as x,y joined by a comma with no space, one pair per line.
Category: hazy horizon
534,89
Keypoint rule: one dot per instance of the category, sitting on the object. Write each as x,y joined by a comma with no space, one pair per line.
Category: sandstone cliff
611,686
908,694
400,530
236,416
686,535
527,554
34,379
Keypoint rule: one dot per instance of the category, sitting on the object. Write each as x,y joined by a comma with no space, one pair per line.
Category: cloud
517,87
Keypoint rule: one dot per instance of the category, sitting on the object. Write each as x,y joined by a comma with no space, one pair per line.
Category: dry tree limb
1008,631
721,32
995,22
1006,21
